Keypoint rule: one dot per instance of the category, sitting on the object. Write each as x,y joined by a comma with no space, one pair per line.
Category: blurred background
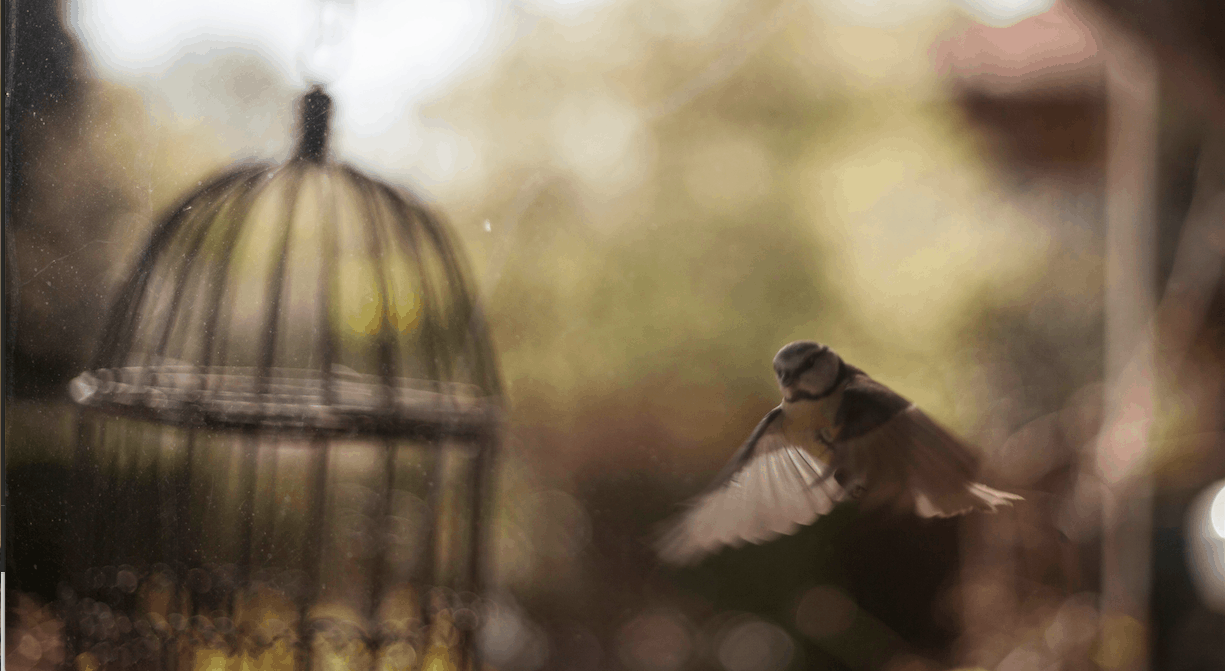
1010,211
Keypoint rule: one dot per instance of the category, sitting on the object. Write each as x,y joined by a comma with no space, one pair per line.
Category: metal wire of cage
286,439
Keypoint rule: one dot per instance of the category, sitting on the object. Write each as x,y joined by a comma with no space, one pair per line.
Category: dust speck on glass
287,433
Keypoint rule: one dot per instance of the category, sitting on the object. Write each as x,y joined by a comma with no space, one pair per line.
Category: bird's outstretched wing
769,489
908,460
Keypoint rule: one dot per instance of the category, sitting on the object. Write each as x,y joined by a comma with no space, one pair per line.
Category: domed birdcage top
305,295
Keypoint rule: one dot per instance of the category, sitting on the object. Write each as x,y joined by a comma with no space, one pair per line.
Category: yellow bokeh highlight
362,306
397,657
280,656
1122,641
916,237
87,662
868,175
210,659
351,655
438,659
405,304
730,173
401,608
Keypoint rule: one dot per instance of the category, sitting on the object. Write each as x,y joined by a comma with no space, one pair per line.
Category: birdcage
286,437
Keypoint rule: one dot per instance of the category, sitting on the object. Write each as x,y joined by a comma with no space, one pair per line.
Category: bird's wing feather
746,450
909,460
769,489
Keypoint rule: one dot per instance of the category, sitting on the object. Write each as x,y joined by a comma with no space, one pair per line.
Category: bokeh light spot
1074,625
729,172
824,611
1205,534
655,642
1217,514
1122,642
565,527
754,645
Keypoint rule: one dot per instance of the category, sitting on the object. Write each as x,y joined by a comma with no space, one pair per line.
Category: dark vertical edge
11,291
131,514
469,324
82,509
123,313
271,324
382,535
162,487
431,228
108,536
482,494
186,536
207,447
374,248
144,489
313,125
484,358
254,180
170,652
439,367
429,562
270,450
328,282
250,463
372,218
238,211
102,501
175,269
170,533
276,286
191,254
82,525
126,314
317,496
407,228
474,328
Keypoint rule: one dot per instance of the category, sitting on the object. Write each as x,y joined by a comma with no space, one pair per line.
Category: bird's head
806,369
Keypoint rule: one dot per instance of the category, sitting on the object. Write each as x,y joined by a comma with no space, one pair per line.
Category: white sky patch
143,36
385,57
1004,12
403,49
893,13
565,9
396,50
429,153
602,139
881,13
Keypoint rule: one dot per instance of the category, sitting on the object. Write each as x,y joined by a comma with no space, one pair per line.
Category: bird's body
809,424
837,433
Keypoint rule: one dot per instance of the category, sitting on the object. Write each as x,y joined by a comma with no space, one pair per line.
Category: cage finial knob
316,112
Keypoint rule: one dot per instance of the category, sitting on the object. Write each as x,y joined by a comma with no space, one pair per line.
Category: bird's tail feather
975,496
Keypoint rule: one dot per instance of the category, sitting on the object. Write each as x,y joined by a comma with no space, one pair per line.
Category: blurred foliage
659,196
649,235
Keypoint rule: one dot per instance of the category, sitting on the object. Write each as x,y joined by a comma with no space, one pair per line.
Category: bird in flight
837,434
